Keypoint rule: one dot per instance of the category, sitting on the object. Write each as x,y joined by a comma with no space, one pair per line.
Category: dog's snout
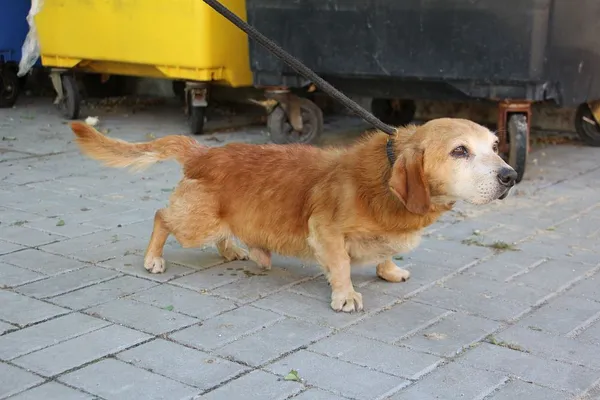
507,177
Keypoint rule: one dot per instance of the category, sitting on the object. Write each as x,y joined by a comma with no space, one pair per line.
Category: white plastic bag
30,51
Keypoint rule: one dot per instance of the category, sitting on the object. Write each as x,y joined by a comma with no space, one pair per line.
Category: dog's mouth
505,194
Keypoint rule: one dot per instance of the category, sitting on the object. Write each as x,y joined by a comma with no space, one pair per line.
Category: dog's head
446,160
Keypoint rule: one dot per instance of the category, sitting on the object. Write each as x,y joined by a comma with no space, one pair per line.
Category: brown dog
360,204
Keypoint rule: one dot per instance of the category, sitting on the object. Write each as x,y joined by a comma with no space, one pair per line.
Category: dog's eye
495,148
460,151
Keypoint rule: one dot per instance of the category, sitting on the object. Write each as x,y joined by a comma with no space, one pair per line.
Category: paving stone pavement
503,302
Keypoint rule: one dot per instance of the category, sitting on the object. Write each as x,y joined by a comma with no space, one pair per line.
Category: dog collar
389,149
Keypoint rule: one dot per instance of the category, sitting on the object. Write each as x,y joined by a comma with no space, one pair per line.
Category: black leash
301,69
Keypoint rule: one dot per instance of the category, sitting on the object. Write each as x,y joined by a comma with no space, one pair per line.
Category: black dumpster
514,52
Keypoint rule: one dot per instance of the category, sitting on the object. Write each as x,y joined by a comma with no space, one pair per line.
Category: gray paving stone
488,300
317,394
553,274
563,314
6,327
555,250
66,282
11,276
446,253
82,209
298,266
308,308
52,391
42,262
211,278
102,292
452,334
72,353
550,346
464,229
258,385
21,310
112,379
185,301
401,320
133,264
10,216
516,389
28,237
273,341
141,316
48,333
79,244
378,356
333,375
552,374
71,229
588,289
506,264
14,380
227,327
490,290
453,381
117,219
115,249
254,283
581,227
6,247
591,334
192,367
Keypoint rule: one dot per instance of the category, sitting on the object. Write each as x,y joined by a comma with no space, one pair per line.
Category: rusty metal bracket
290,104
504,109
196,94
56,80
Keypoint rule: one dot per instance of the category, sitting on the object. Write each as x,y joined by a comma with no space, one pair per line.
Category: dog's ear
409,184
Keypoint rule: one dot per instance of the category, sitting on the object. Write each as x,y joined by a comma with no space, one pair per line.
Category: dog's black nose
507,177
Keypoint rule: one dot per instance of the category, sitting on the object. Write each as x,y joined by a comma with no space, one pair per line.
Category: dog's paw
234,253
346,301
155,265
392,273
261,257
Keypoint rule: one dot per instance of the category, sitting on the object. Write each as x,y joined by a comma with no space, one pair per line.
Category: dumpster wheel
586,126
71,101
518,140
9,87
196,120
281,130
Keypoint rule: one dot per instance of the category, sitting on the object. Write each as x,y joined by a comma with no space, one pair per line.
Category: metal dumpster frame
148,38
514,53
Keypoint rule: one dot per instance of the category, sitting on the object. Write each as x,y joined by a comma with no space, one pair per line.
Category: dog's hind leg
153,260
261,257
230,251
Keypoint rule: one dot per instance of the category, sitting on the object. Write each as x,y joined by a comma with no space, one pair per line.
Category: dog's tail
137,156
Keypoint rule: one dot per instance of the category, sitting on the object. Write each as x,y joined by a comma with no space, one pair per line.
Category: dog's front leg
330,252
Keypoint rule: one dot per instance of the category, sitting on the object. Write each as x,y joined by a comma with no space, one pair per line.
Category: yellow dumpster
177,39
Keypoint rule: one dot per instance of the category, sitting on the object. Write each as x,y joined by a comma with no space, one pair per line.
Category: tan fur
120,154
337,206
